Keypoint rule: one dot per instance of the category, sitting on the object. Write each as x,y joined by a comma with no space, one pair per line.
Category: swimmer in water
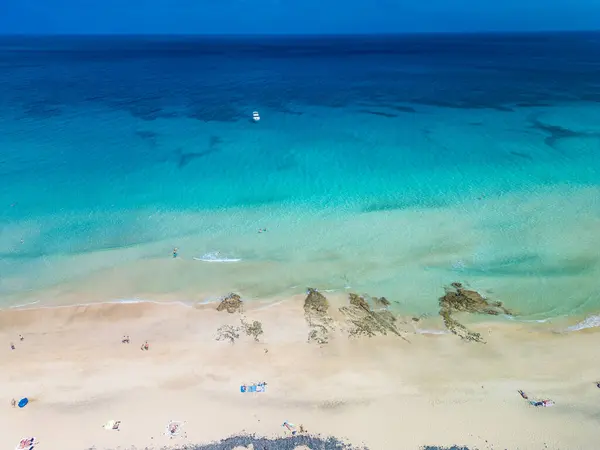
175,250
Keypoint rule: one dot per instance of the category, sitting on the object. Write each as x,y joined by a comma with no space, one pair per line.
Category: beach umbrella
23,402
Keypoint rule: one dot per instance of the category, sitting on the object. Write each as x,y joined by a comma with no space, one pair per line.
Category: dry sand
381,392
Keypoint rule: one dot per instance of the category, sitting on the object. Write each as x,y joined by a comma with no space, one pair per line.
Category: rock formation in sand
228,333
364,321
231,303
231,333
253,329
316,309
459,299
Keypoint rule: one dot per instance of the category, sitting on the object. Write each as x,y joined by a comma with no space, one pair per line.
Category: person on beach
21,338
125,339
544,403
524,395
13,403
175,252
12,346
145,346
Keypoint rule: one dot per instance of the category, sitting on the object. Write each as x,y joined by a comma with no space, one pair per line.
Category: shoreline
486,243
568,324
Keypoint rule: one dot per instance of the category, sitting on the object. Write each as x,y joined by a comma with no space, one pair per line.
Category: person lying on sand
545,403
524,395
12,346
125,340
536,403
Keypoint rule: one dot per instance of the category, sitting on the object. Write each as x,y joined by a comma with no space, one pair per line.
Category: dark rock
366,322
459,299
382,301
232,303
359,302
315,313
315,302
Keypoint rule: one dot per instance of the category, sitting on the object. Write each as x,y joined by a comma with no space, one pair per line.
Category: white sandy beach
381,392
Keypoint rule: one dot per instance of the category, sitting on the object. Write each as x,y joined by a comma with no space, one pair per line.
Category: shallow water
389,166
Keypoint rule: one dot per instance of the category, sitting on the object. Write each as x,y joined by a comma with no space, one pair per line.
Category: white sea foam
432,331
24,305
589,322
28,306
208,301
216,257
516,319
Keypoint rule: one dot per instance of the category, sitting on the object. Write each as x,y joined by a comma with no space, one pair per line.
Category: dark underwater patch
522,155
185,158
402,204
147,135
461,104
41,110
223,113
406,109
534,266
533,104
377,113
555,132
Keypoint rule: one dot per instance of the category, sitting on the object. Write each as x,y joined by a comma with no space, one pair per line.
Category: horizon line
277,34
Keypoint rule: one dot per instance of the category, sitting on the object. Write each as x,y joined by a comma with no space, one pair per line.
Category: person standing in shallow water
175,252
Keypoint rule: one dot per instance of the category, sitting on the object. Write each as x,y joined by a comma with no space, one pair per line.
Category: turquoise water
388,166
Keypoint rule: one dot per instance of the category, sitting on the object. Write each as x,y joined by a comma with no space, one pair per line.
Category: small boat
255,116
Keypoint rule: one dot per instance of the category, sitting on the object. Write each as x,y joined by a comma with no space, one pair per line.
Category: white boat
255,116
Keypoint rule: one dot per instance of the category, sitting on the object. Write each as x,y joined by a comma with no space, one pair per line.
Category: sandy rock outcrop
316,313
459,299
231,303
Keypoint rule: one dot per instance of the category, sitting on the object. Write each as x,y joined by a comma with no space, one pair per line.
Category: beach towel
27,444
260,387
173,428
23,402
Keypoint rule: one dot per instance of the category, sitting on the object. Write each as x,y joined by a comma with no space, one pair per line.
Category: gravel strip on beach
284,443
262,443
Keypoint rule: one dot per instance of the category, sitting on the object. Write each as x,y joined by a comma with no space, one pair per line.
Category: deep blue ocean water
389,164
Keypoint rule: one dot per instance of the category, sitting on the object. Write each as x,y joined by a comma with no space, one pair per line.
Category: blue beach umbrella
23,402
